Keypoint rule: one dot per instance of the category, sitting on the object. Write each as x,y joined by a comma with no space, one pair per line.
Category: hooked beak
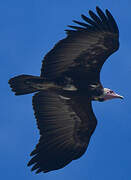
118,96
112,96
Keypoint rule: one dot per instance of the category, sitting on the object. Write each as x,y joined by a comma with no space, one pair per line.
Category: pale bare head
109,94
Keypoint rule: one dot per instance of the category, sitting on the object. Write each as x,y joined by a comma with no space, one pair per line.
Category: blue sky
29,29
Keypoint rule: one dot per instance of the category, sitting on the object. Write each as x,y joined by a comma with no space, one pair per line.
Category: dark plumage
69,81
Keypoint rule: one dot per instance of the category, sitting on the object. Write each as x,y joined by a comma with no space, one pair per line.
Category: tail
26,84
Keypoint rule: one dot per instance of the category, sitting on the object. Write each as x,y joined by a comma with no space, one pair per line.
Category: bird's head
108,94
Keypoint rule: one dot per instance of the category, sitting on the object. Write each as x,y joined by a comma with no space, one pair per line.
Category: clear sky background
28,30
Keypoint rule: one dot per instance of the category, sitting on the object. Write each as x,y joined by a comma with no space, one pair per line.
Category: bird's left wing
85,47
65,125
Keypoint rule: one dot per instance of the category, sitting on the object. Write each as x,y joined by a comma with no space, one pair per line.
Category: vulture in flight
64,91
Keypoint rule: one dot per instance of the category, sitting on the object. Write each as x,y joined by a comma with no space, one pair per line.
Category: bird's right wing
65,125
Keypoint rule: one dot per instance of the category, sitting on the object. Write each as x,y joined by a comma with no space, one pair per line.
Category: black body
69,81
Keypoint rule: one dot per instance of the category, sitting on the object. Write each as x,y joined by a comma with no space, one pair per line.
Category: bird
63,93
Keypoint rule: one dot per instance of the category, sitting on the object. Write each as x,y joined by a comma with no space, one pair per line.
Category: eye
111,91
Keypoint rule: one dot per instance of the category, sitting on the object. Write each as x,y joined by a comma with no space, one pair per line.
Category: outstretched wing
87,46
65,125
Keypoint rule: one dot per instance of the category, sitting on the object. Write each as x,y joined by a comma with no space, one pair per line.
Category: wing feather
112,22
65,131
77,28
95,17
89,21
82,24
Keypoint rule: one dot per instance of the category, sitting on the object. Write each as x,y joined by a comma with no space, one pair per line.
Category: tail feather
24,84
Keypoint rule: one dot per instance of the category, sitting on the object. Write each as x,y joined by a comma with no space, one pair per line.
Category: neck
96,92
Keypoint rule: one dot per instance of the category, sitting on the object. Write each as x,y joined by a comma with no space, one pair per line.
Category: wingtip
32,153
98,8
35,167
107,11
82,15
39,171
32,161
29,164
90,11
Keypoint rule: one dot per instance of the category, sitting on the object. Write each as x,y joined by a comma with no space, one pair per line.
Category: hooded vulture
69,81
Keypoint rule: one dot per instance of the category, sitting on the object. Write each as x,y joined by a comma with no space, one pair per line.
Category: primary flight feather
69,81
